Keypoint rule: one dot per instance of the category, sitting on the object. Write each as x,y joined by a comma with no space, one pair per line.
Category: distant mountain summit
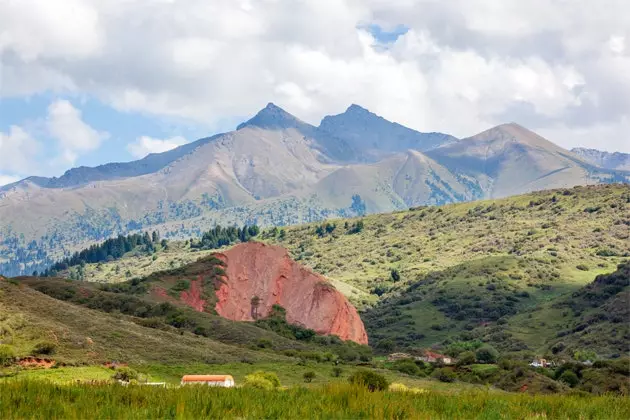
607,160
273,117
276,169
373,136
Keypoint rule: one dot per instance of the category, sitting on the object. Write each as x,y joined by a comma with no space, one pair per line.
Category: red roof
206,378
434,355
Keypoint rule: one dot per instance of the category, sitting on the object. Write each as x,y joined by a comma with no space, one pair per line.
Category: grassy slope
529,245
526,248
82,335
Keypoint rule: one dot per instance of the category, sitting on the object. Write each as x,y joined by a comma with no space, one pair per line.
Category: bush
570,378
44,347
444,375
125,374
7,355
371,380
582,267
309,376
264,343
487,354
406,366
336,372
262,380
466,358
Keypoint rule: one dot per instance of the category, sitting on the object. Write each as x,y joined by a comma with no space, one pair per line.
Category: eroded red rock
266,271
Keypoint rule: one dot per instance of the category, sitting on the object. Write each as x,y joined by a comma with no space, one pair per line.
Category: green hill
497,270
72,334
492,270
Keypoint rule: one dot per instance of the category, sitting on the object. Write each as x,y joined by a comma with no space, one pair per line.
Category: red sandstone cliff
266,271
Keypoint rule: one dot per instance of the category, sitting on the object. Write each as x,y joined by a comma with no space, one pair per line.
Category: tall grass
32,399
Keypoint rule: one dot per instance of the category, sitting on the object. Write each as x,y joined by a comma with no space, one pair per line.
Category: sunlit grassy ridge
20,400
82,335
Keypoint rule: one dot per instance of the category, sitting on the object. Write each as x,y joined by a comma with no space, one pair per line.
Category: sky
85,82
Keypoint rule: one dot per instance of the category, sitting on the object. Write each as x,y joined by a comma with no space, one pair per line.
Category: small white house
225,381
539,363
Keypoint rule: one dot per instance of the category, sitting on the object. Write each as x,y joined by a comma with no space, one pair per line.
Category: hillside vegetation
32,323
497,270
487,269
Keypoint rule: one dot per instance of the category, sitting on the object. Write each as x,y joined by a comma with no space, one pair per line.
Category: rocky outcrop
268,273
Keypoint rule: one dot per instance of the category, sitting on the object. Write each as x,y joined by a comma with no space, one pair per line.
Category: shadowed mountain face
373,137
276,170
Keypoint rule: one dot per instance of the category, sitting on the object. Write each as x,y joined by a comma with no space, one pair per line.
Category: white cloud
617,44
65,124
18,152
145,145
8,179
561,67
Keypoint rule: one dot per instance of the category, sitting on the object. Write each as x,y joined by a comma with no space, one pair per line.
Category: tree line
221,236
111,249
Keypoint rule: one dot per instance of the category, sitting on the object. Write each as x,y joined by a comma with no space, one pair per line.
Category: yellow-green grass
34,399
85,336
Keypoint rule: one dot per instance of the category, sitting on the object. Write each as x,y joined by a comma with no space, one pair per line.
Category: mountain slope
82,335
607,160
373,137
277,170
510,159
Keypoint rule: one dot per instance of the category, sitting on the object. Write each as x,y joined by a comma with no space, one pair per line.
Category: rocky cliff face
255,269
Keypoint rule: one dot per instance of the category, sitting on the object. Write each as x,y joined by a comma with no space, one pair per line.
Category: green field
22,399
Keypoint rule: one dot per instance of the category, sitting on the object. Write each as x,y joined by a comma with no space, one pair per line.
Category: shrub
264,343
125,374
466,358
444,375
7,355
371,380
336,372
570,378
487,354
406,366
262,380
44,347
309,376
582,267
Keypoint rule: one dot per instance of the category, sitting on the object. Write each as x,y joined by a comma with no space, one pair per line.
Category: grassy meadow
32,399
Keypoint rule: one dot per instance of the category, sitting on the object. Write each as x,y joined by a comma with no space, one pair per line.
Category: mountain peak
272,116
354,108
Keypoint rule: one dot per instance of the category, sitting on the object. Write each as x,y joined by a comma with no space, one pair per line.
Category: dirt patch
194,296
36,362
114,365
161,292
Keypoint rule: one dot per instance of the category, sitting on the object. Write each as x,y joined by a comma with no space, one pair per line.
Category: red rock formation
193,297
266,271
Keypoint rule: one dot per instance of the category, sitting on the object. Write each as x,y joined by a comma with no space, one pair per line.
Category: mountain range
606,160
275,169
